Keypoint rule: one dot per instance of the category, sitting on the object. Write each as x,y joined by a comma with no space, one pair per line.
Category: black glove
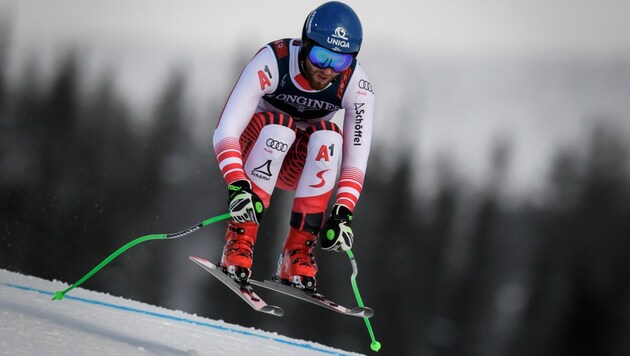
336,234
244,204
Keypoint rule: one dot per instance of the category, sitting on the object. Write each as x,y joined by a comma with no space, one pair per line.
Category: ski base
245,291
315,298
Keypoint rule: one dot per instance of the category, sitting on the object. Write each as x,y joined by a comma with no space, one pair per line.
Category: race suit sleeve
259,77
358,103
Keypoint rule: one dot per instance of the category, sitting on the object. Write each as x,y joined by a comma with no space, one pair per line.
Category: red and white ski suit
276,131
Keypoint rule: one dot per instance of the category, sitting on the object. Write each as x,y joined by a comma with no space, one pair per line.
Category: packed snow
92,323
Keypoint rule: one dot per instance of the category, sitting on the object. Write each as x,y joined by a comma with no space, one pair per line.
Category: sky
91,323
512,26
537,73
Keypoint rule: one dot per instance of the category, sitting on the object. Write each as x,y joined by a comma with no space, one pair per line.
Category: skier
276,131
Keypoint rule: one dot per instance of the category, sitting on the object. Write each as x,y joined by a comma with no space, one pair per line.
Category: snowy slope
91,323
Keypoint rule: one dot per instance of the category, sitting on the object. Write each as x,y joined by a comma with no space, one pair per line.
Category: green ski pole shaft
375,345
60,294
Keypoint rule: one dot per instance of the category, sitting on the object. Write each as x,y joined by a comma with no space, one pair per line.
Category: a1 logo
323,152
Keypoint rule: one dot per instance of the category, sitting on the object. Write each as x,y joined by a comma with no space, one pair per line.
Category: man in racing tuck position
276,131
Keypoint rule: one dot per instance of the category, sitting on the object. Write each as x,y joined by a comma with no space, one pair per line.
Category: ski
245,291
315,298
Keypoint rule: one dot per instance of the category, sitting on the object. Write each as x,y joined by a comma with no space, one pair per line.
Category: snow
91,323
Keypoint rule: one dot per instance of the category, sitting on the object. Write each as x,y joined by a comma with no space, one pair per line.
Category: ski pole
60,294
375,345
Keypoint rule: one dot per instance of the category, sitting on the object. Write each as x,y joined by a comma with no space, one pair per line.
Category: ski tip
362,311
200,260
273,310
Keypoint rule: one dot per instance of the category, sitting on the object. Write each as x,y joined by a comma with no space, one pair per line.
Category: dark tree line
463,272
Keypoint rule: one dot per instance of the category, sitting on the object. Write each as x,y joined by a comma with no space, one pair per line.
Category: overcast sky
512,26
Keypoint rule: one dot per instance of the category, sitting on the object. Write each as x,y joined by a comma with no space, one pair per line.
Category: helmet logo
339,39
309,21
340,32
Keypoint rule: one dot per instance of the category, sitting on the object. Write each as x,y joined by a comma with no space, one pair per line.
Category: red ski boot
296,266
238,252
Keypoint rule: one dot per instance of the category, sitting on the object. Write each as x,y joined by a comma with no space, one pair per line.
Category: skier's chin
320,81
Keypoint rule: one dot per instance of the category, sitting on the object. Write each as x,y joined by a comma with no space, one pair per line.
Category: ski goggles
323,58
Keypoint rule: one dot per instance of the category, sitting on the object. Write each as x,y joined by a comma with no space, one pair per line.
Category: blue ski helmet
334,26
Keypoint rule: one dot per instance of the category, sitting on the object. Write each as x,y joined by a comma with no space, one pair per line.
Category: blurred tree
4,51
581,295
169,146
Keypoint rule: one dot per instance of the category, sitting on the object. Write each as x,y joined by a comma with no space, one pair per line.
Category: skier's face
318,78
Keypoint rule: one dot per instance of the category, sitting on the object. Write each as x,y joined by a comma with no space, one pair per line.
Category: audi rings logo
365,85
277,145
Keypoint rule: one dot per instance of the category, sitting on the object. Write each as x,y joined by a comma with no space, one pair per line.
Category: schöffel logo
277,145
263,171
358,123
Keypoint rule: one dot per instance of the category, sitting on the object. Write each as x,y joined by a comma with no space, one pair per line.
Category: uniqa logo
339,38
340,32
340,43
